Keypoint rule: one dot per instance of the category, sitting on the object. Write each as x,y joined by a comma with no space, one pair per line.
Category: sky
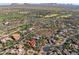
41,1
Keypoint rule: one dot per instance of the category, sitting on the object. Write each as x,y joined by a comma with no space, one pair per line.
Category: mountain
41,5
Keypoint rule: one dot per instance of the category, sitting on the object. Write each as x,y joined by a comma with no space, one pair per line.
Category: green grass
30,35
12,16
9,43
25,27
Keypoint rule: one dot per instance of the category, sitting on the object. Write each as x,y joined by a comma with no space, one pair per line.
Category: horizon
75,2
38,3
